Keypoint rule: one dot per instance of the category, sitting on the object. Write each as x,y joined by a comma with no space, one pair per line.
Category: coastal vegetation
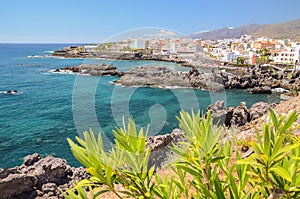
205,164
264,56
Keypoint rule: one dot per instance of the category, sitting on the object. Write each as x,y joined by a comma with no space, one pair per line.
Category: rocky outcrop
81,52
162,77
39,177
284,107
92,69
73,52
259,109
44,178
159,144
263,79
261,90
237,116
220,115
257,80
240,115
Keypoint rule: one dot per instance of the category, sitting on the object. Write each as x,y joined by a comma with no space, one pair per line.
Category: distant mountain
286,30
225,33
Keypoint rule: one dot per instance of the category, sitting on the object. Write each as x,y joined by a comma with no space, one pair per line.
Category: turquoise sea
52,107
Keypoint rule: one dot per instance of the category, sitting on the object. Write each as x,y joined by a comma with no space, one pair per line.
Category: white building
287,56
138,44
90,47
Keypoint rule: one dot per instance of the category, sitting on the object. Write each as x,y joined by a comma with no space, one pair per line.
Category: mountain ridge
283,30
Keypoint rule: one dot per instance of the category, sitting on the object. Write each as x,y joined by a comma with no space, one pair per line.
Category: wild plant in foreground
206,167
125,164
275,162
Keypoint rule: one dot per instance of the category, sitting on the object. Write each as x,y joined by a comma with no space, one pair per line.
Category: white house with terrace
290,56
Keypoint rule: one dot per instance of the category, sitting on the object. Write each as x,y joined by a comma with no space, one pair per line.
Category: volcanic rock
92,69
39,177
261,90
162,77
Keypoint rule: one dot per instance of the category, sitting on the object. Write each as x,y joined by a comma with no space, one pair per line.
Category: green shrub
294,91
126,163
275,162
209,167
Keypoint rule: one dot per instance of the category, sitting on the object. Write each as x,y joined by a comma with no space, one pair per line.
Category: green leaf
233,186
282,150
267,144
192,171
100,192
274,119
249,161
265,158
289,122
281,172
219,191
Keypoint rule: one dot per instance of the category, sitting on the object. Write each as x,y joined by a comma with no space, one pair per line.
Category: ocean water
49,108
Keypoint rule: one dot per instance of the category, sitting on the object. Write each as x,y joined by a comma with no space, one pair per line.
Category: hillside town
245,51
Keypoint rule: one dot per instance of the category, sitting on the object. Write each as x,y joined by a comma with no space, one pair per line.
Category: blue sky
45,21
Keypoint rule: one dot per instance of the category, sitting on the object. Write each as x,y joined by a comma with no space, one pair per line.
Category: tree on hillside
265,54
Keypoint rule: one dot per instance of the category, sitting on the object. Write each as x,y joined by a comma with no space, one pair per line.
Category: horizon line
49,43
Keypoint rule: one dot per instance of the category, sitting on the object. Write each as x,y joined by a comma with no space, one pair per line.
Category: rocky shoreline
80,52
91,69
162,77
237,116
257,80
265,79
47,177
40,178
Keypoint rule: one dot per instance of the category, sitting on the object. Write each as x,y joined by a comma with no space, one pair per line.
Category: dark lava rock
161,154
39,177
237,116
31,159
93,69
162,77
240,115
259,109
261,90
261,79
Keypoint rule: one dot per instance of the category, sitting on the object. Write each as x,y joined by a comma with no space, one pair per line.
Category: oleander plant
207,165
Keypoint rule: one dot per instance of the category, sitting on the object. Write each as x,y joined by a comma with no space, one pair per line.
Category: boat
9,92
